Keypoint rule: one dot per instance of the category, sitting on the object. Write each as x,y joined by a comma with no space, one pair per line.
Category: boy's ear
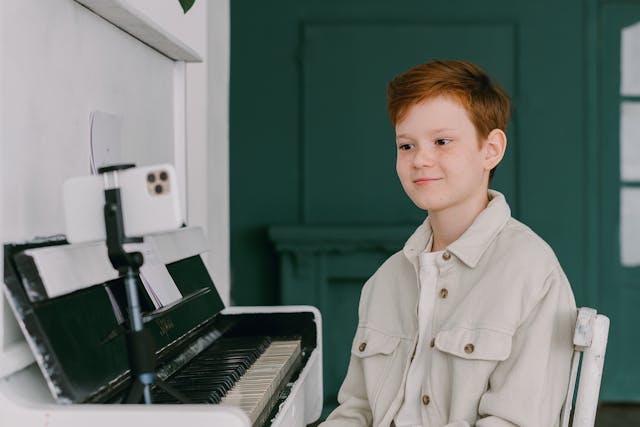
495,146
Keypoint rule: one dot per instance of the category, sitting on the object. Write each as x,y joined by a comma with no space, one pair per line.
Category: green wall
312,151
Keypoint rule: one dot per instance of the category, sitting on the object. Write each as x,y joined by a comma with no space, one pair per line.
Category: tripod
139,342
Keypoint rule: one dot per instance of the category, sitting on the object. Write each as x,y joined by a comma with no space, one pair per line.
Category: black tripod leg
171,391
135,392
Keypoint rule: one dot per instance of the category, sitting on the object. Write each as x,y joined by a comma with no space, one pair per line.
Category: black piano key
212,373
215,396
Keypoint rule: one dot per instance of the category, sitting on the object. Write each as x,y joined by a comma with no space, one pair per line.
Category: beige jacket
502,332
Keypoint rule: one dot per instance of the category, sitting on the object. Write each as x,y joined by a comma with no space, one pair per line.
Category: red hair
487,104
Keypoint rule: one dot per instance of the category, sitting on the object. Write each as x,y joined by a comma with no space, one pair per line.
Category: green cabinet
326,266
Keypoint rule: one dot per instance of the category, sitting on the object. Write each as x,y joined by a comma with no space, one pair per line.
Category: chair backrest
590,341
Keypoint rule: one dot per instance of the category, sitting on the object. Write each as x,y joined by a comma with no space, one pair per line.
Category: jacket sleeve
354,409
528,388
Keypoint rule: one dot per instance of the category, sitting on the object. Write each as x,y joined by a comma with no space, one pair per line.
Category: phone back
149,197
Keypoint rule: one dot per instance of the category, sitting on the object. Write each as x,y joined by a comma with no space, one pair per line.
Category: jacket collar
474,241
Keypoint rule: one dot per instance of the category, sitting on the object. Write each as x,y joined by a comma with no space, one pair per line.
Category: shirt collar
474,241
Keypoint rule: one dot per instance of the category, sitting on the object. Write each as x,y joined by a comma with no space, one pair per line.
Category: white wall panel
630,61
58,62
65,63
630,226
630,141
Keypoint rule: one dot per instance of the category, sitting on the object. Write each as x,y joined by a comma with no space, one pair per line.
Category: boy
471,323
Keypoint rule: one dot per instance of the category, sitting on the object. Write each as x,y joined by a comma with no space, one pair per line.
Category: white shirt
410,413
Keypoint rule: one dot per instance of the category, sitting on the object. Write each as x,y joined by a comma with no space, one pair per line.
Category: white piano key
252,392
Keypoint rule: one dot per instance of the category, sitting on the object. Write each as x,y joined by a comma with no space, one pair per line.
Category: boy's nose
423,157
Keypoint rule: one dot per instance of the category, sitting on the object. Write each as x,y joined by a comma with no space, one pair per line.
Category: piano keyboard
245,372
261,382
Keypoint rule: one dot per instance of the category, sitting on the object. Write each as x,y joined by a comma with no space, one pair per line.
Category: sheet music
154,275
65,269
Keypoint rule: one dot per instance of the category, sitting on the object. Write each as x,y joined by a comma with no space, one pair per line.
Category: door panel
348,142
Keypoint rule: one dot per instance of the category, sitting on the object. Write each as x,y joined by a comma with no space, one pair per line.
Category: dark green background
312,155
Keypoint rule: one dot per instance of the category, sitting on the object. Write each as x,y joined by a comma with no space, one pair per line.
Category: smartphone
149,197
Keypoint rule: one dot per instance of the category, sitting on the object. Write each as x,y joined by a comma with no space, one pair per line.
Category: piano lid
78,337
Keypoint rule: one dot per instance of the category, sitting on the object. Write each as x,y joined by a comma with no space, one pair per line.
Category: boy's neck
449,224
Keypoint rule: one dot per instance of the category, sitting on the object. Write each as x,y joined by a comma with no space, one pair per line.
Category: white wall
205,30
59,62
65,63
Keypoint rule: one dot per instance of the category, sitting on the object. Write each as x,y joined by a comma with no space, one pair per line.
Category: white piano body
26,397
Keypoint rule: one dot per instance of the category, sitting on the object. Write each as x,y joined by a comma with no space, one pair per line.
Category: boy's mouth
421,181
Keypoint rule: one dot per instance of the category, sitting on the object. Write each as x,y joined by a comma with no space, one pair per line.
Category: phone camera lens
163,176
158,189
151,178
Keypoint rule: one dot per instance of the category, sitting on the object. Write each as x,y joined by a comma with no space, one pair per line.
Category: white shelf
124,15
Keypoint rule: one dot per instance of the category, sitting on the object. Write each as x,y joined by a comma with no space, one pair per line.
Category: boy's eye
443,141
405,147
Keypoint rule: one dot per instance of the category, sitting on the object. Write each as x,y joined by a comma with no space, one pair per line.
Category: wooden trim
327,238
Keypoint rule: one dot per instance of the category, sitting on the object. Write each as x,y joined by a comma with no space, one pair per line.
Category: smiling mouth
425,180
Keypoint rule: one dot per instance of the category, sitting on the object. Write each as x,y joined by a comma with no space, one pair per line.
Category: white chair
590,340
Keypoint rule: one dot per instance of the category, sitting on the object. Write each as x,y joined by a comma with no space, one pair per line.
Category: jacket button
469,348
362,346
446,256
444,293
425,399
432,343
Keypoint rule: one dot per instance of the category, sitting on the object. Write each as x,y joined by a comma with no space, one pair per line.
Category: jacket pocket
475,344
376,352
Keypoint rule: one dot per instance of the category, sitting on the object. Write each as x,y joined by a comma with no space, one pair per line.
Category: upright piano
238,366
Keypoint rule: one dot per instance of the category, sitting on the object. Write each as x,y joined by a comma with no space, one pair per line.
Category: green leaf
186,4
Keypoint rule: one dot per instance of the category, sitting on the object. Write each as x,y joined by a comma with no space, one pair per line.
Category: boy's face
440,162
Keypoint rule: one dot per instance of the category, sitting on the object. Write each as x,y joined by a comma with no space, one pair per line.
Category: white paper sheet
154,275
65,269
105,140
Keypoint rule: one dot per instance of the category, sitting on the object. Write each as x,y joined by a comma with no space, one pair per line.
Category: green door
313,155
348,145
